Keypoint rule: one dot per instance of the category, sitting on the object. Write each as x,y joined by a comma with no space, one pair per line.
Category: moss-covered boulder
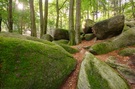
59,34
109,27
123,69
127,52
89,37
87,26
61,41
28,64
127,38
15,35
47,37
67,47
95,74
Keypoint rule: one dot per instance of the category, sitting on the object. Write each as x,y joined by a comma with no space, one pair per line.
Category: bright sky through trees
20,6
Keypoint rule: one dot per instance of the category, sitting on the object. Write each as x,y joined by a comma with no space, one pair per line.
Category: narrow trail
71,81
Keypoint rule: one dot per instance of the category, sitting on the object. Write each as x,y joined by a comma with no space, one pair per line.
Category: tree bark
133,8
32,17
57,10
71,23
10,19
78,21
45,16
0,22
41,18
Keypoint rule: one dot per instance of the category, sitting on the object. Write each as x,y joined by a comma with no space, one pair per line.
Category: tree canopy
56,14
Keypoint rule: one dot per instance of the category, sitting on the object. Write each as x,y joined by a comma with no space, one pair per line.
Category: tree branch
63,4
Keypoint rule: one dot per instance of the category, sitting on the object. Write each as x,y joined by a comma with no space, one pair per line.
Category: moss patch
68,48
127,52
95,74
33,65
127,38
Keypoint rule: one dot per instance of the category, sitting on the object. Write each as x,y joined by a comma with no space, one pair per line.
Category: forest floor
71,81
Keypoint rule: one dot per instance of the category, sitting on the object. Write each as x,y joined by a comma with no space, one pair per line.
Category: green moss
68,48
61,41
100,48
18,36
127,38
89,36
33,65
96,74
127,52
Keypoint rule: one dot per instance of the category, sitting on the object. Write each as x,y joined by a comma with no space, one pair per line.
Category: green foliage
29,64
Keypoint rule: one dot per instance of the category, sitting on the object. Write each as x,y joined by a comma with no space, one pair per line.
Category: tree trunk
133,8
41,18
120,7
32,17
57,10
78,21
45,16
0,22
71,23
10,19
88,13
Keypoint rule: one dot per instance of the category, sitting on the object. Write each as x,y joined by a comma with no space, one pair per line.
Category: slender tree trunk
108,10
0,22
78,21
120,7
61,21
41,18
133,8
71,23
21,26
45,16
32,17
10,19
57,10
88,13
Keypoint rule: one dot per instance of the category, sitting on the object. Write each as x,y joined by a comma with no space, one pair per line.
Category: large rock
95,74
127,52
59,34
26,64
87,26
130,23
127,38
89,36
109,28
127,72
47,37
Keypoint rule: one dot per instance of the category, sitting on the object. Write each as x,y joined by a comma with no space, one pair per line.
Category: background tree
32,16
0,22
78,21
133,8
45,16
10,19
71,22
41,18
58,11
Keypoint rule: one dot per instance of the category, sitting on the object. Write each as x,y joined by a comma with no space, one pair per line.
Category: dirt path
71,82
